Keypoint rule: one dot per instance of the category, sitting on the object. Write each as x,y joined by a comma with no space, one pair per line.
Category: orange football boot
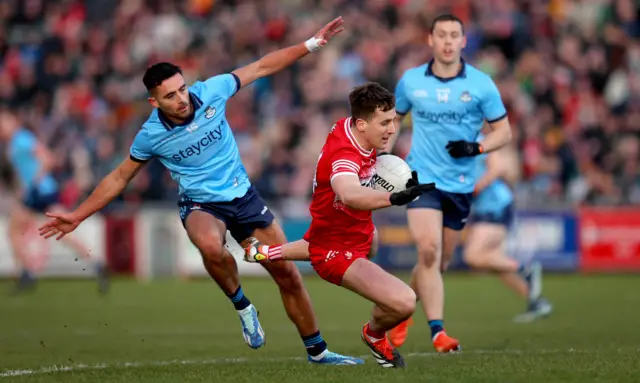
383,352
444,343
398,335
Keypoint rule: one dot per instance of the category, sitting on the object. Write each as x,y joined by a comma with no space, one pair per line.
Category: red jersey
334,225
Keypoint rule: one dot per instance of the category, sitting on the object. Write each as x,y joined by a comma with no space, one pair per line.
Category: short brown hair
366,99
446,17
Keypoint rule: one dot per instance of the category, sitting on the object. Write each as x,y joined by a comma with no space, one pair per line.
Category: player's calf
207,232
394,303
427,278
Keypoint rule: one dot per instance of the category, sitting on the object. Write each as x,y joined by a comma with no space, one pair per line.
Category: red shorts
331,265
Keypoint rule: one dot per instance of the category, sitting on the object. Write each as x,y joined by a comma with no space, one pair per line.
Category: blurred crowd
568,71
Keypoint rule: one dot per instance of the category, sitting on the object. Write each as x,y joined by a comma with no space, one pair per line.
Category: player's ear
430,39
361,125
153,102
464,41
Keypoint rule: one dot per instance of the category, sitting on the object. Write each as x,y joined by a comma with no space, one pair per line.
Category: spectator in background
569,72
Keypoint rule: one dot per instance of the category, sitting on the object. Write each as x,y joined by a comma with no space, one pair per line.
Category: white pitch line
102,366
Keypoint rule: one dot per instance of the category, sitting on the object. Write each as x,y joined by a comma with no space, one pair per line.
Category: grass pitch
173,331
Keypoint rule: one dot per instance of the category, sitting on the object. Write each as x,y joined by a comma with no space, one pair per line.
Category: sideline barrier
152,243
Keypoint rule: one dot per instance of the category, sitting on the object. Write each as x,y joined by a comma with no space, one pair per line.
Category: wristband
313,44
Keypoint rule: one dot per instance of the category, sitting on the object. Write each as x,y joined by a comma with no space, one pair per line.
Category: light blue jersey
26,164
201,155
446,110
495,197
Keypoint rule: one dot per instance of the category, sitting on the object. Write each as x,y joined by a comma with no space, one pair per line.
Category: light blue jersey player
189,133
449,101
491,216
37,191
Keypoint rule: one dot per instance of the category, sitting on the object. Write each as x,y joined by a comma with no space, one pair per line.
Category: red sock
374,334
275,252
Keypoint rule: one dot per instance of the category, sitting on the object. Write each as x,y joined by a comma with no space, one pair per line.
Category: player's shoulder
412,72
476,75
152,125
199,88
341,141
339,134
24,137
222,85
25,134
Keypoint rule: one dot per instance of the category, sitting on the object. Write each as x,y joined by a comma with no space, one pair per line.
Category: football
392,174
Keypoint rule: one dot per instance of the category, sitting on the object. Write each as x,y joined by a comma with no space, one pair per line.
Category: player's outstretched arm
254,251
109,188
280,59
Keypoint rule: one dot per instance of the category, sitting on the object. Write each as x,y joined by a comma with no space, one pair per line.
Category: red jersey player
341,235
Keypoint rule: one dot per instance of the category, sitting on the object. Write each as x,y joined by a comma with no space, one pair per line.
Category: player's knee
210,248
428,253
405,303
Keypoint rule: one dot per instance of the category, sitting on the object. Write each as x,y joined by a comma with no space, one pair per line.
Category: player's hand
459,149
59,224
324,35
410,193
413,181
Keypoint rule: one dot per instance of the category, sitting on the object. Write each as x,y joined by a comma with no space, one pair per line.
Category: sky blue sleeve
141,149
224,85
403,105
492,106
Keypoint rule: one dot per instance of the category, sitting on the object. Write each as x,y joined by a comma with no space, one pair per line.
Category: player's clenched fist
459,149
414,190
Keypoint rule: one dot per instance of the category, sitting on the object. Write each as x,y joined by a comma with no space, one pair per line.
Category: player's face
379,128
447,41
172,98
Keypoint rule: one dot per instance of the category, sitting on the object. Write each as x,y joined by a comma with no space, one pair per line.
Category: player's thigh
270,235
370,281
206,232
425,226
21,217
252,218
485,236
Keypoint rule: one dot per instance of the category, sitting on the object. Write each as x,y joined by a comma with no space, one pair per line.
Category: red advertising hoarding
609,239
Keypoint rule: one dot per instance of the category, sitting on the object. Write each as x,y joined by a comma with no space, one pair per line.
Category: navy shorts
38,202
455,207
241,215
502,217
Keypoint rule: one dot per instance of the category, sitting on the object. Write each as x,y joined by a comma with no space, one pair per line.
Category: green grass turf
173,331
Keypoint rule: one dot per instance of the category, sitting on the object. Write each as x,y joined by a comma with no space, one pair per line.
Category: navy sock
314,344
240,302
26,274
436,326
